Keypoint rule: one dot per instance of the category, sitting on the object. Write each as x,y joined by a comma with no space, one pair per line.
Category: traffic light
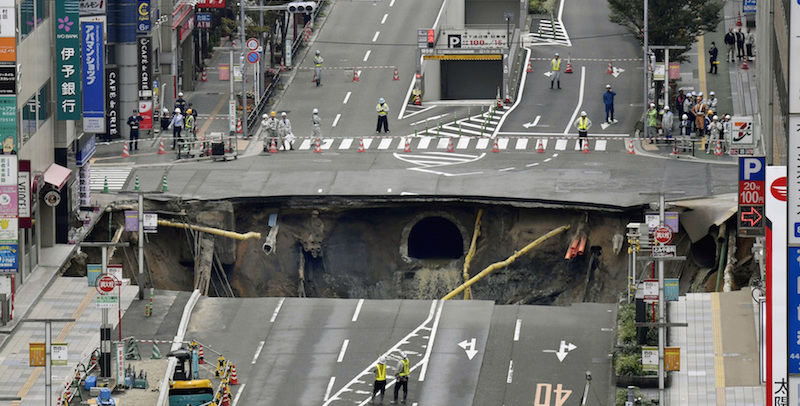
431,38
306,7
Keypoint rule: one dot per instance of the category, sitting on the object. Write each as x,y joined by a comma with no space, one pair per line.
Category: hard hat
711,93
315,111
382,360
608,86
680,90
317,52
381,100
272,114
692,93
180,94
283,114
700,94
652,104
188,111
403,354
715,118
684,117
177,110
556,54
583,114
710,112
165,110
727,116
666,107
264,115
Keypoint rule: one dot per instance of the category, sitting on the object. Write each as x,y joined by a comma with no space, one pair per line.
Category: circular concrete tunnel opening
435,238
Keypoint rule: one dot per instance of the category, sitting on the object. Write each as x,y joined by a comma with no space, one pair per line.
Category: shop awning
57,175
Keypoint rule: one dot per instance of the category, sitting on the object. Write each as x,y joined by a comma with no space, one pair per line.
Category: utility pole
666,49
48,362
644,72
242,63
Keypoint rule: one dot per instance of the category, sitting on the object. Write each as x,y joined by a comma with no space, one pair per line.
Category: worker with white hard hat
652,122
285,132
583,124
667,122
270,125
608,100
686,125
380,379
403,369
177,126
180,103
555,71
714,133
383,110
316,123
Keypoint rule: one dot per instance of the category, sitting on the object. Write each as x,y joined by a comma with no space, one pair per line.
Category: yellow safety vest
406,367
380,372
556,64
582,122
382,109
317,61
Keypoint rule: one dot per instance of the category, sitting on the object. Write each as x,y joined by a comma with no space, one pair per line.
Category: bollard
220,366
164,187
105,185
136,185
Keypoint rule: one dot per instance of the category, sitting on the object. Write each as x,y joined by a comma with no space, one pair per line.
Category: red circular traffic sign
106,283
662,234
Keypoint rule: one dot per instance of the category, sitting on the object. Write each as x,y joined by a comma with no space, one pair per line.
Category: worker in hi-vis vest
583,124
555,71
380,379
318,68
403,370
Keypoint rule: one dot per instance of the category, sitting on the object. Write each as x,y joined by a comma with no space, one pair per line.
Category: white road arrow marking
535,121
548,73
469,348
564,349
616,71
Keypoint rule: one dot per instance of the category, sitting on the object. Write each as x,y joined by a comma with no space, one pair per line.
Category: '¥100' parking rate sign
752,196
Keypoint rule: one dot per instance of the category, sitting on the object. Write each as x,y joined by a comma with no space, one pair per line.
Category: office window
34,113
32,13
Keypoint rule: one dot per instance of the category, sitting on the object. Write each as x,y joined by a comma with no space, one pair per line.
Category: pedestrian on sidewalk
316,122
177,126
555,71
403,369
180,103
730,41
383,109
667,122
133,123
608,100
679,99
715,130
712,100
271,127
688,105
686,125
583,124
749,41
285,131
380,380
652,122
739,43
318,68
712,59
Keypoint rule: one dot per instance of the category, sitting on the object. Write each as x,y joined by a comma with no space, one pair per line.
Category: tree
670,22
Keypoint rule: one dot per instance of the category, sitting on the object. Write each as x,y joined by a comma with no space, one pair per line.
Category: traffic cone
450,145
744,64
396,75
105,184
156,352
355,75
738,18
239,126
234,378
361,145
569,64
530,68
200,355
272,148
408,145
417,100
225,399
164,187
161,149
718,149
314,80
539,146
675,150
495,148
585,146
204,78
125,150
610,69
317,147
629,148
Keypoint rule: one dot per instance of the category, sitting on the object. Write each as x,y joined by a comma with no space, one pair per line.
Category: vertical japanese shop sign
8,27
94,120
24,193
68,67
143,16
144,48
112,102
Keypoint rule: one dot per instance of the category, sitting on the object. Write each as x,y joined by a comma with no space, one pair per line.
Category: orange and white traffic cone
161,149
408,145
495,148
234,378
569,64
675,150
355,75
396,75
539,146
273,149
450,145
225,399
239,126
361,145
204,77
530,68
317,147
718,149
629,148
200,355
585,146
744,64
610,69
314,79
738,18
125,150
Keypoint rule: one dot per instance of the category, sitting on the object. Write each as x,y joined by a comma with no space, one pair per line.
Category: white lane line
516,329
366,56
375,37
336,119
502,143
383,20
306,144
536,120
463,143
505,169
330,387
580,101
343,350
360,303
277,309
533,164
510,376
367,143
347,97
258,352
561,145
424,142
391,3
238,393
346,143
429,348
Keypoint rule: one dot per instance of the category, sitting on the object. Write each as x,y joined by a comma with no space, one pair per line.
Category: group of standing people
279,131
402,372
183,117
698,116
743,43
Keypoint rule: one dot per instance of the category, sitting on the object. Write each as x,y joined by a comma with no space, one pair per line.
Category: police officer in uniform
383,109
133,123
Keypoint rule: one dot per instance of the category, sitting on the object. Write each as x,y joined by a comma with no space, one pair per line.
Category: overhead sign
144,51
752,196
477,38
112,102
211,3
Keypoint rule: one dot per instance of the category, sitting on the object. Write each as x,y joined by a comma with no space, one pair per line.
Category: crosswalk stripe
385,143
522,143
367,142
600,145
462,130
326,143
306,144
483,143
502,143
346,143
463,143
424,142
117,176
442,144
561,145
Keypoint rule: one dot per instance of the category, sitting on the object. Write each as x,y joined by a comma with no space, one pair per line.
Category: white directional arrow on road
529,124
548,73
469,347
563,349
616,71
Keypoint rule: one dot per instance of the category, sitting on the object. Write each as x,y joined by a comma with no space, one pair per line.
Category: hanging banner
143,16
93,73
24,193
68,66
112,102
146,111
8,124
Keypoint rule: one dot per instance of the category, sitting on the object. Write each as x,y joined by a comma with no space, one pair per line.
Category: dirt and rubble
411,250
